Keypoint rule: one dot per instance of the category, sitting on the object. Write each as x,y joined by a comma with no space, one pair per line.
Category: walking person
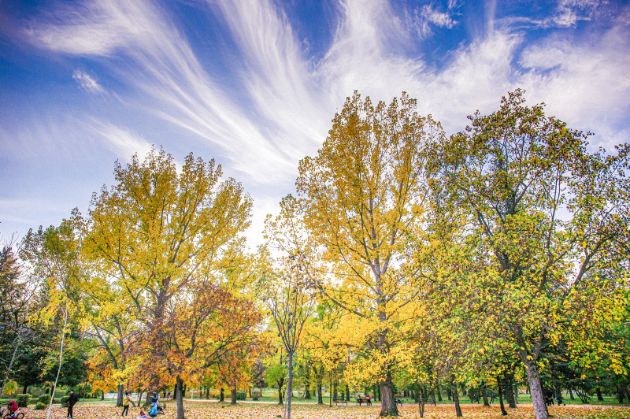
72,400
126,402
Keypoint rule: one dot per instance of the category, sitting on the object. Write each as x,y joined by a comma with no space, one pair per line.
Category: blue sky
254,84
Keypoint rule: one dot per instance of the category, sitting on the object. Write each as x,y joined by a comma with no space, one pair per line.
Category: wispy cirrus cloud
287,97
123,142
290,97
87,82
168,78
425,18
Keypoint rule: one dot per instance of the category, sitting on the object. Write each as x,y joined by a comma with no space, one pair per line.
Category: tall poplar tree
365,197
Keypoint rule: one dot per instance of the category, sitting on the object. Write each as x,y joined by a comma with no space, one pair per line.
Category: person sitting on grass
142,415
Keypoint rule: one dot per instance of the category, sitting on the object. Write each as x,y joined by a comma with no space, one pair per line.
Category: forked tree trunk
179,386
388,401
538,399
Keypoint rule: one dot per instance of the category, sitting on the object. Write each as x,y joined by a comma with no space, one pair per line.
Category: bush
11,387
22,399
40,406
241,395
64,401
44,398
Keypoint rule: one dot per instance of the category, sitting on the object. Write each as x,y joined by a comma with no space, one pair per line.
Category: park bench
361,400
340,400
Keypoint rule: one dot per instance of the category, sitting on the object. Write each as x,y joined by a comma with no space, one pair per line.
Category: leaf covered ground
264,411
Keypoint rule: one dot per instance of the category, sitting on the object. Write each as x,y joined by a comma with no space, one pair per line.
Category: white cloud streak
87,82
121,141
290,98
167,73
427,16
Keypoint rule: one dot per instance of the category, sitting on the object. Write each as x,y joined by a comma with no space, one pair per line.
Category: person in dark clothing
72,400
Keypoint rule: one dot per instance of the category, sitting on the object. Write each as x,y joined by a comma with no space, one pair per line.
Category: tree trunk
289,386
280,400
179,386
503,412
307,383
484,394
438,392
620,394
119,396
433,399
388,401
421,401
571,396
598,391
509,391
139,397
320,396
347,393
63,336
458,408
330,394
233,394
221,395
538,399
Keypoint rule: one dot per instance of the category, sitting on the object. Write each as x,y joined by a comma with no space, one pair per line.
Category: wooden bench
361,400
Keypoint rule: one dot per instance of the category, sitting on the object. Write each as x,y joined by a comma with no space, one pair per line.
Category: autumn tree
289,296
53,256
553,218
364,195
159,234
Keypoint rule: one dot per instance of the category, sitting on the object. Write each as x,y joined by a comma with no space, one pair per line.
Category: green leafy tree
553,218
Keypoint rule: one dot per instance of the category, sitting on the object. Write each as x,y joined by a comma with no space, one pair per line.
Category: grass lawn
198,410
